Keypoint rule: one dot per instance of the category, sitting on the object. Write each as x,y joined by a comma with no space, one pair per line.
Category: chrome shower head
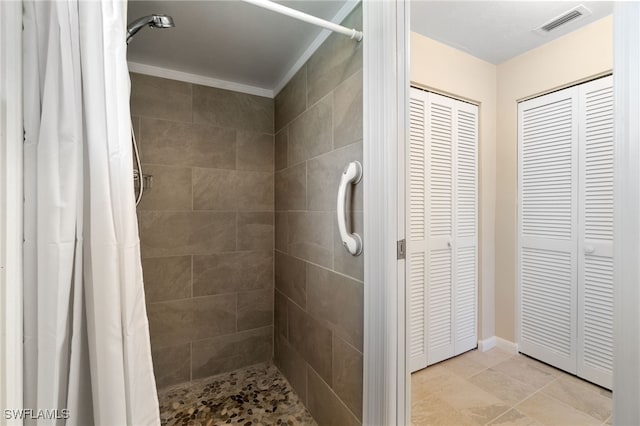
153,21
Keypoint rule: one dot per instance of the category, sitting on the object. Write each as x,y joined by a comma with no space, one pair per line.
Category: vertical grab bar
351,175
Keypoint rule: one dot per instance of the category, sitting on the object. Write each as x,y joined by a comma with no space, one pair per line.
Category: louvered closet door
465,222
442,228
595,243
548,172
440,207
416,235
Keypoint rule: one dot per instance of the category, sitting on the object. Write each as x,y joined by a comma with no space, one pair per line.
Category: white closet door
442,228
595,242
440,207
548,171
465,246
416,235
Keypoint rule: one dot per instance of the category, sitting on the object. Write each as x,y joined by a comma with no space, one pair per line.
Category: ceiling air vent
572,15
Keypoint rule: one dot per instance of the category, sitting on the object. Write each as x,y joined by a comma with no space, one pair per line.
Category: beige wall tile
187,144
348,386
172,365
167,278
281,231
280,314
160,98
255,231
338,301
337,59
224,108
255,309
215,189
181,321
323,177
343,261
310,134
171,188
292,365
325,407
231,272
255,151
227,142
311,339
292,99
182,233
310,236
230,352
291,188
291,278
347,111
281,148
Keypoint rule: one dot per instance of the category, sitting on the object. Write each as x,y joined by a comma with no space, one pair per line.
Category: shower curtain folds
86,338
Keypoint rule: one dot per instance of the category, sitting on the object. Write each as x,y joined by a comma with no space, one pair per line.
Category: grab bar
351,175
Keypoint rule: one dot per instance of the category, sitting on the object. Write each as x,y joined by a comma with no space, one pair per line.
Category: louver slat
547,137
466,234
442,227
547,156
440,200
440,298
416,255
595,311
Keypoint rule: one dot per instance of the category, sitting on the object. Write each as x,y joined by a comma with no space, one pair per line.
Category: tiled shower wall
206,226
319,286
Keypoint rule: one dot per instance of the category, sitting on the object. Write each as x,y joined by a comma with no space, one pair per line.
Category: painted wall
206,226
578,56
319,305
453,72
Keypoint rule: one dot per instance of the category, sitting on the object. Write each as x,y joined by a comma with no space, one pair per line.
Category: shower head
153,21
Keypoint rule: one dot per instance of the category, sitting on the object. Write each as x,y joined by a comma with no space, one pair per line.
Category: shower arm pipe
284,10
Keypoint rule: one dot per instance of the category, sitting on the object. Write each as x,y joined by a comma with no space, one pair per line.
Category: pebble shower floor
256,395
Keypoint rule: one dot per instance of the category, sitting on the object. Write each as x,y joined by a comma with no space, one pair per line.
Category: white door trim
386,99
11,137
626,247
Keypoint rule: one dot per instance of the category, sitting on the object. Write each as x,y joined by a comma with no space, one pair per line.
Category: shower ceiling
228,40
496,31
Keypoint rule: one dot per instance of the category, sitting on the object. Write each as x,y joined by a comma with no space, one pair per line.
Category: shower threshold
251,396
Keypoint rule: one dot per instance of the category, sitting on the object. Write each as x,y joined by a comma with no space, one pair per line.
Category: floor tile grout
458,371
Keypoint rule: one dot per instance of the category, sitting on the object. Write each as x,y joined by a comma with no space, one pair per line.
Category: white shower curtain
87,350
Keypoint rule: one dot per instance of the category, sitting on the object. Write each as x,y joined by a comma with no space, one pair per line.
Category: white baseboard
497,342
506,345
487,344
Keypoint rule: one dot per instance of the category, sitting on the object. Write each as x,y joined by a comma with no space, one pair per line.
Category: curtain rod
284,10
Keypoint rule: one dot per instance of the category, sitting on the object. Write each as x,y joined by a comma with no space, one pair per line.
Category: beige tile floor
499,388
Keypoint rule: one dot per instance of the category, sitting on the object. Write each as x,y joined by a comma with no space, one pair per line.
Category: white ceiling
240,46
496,31
229,40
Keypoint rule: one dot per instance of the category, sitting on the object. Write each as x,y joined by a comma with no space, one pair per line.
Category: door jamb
386,85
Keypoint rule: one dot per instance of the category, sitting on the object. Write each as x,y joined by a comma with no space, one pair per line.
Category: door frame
626,247
626,381
11,190
386,378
